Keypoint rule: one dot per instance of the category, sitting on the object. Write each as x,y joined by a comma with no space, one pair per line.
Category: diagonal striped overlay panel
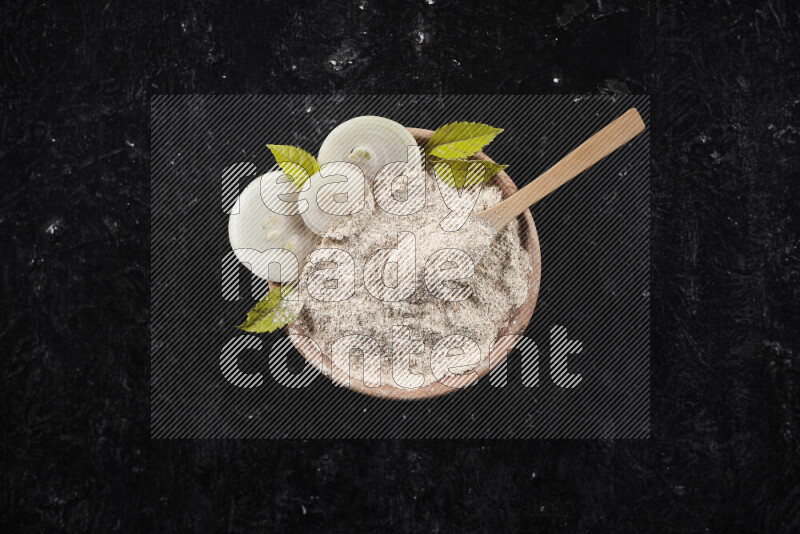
582,369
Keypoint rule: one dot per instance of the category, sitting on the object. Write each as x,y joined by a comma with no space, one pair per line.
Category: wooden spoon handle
620,131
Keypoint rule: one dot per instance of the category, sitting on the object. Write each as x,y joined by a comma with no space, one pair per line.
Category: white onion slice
369,141
254,227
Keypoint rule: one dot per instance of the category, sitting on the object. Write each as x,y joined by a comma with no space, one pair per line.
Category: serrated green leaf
459,172
270,313
460,139
298,164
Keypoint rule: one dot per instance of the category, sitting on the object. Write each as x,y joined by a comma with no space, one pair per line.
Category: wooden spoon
615,135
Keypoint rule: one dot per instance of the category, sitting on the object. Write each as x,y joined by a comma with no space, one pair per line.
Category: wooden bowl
517,325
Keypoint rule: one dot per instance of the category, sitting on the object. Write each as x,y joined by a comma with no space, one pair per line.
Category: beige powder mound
499,284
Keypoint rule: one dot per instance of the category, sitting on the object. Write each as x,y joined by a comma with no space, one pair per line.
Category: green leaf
459,172
270,313
298,164
460,139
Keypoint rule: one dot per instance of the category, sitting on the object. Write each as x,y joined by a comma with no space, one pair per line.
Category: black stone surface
75,452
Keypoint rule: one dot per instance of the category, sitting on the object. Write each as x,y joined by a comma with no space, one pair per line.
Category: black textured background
75,83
